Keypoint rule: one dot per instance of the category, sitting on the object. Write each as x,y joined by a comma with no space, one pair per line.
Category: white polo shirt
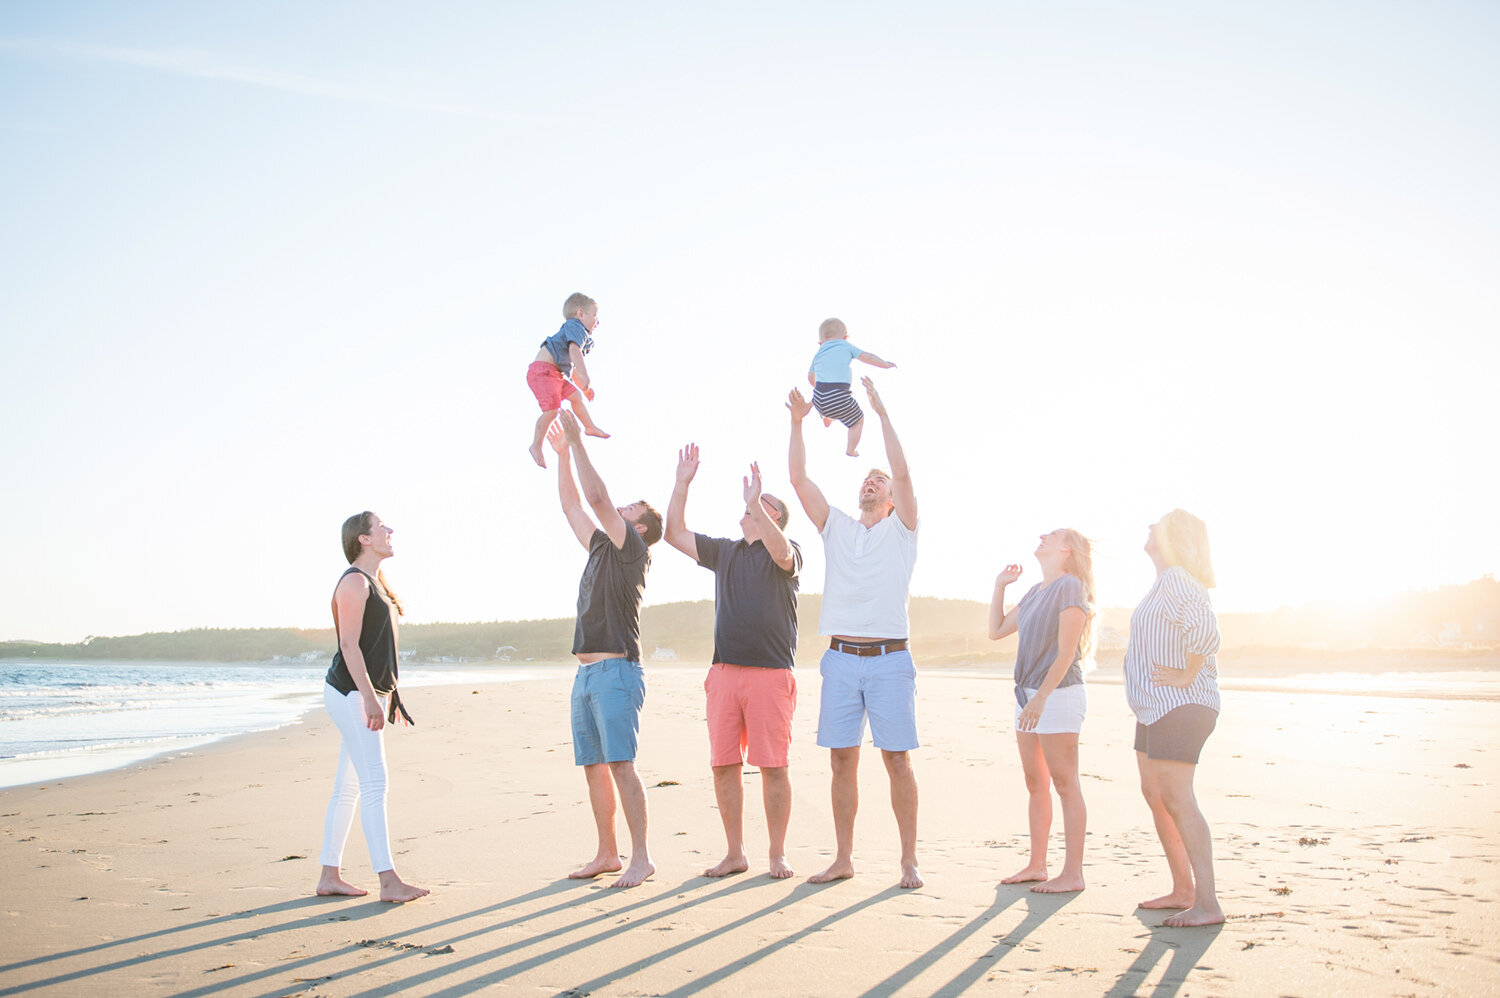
868,576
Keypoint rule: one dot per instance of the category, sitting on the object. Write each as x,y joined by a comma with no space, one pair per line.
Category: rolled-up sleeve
1189,610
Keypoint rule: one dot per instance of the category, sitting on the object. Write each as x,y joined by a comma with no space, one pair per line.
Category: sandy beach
1357,843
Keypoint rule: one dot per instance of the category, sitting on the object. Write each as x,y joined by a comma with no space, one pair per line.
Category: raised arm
675,531
594,492
771,536
874,361
901,488
349,598
1002,623
813,502
567,490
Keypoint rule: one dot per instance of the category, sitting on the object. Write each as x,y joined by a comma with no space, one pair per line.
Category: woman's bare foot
1208,914
535,450
1064,884
333,885
635,874
1027,875
398,891
842,869
594,431
1176,899
596,866
780,868
732,863
910,877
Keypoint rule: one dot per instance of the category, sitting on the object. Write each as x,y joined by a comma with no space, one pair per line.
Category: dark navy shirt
610,594
755,602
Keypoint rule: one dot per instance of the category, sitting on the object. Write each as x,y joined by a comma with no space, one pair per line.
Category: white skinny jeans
360,779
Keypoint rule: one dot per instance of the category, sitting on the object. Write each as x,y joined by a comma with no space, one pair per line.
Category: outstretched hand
556,439
570,427
687,464
875,402
752,486
1009,575
798,405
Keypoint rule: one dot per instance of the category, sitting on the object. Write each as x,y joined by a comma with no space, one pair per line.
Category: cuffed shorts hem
1179,735
606,711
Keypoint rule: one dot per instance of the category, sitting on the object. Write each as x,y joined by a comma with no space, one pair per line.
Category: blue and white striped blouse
1175,620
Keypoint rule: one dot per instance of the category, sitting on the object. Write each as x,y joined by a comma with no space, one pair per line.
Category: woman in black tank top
363,675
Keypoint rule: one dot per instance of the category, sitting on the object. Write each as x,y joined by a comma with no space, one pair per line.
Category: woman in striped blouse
1171,682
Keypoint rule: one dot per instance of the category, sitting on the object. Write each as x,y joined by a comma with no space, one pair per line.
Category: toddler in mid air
830,377
561,355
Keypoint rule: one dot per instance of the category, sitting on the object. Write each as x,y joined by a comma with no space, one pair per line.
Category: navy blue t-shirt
610,594
755,602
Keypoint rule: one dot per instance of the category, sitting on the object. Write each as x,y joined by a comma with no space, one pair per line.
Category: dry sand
1357,848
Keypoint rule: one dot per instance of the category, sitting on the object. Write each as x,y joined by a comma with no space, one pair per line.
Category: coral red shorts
548,385
750,712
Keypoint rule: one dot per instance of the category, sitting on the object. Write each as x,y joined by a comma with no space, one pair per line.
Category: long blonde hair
360,523
1183,541
1080,564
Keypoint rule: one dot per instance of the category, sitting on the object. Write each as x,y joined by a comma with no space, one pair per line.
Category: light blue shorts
882,687
607,701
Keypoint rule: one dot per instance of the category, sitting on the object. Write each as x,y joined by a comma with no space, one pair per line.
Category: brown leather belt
868,649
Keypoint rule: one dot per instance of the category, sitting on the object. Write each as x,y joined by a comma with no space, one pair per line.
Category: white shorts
1063,714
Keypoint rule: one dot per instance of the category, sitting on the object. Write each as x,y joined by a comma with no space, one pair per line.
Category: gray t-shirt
1036,631
609,596
755,602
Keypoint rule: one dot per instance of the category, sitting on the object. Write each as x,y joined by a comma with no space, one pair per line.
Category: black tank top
377,642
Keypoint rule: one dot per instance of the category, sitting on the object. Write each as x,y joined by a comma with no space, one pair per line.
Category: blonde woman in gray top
1171,682
1051,623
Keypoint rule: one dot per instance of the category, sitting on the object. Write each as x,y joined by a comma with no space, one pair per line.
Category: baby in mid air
830,376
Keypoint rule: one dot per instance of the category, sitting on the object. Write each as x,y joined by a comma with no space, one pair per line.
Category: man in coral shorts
751,686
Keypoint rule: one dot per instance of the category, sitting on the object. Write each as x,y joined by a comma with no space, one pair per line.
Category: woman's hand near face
1009,575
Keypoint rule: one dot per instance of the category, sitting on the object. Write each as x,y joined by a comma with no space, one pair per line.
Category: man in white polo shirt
867,670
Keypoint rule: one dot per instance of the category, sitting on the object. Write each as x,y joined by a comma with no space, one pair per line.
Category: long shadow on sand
1039,908
574,946
1185,946
325,908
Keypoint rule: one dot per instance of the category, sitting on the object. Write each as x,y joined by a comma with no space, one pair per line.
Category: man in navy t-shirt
751,686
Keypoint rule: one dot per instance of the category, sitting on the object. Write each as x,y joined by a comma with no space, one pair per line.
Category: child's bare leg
582,412
854,432
535,450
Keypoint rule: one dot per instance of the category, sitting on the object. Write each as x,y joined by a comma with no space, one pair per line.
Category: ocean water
62,719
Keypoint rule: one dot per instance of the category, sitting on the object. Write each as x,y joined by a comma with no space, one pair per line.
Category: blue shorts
882,687
607,701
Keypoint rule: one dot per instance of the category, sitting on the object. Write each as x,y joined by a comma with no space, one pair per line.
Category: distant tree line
943,631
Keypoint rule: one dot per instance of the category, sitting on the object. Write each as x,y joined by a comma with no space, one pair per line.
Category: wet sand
1357,841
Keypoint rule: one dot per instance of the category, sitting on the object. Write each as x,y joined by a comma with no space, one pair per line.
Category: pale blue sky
265,265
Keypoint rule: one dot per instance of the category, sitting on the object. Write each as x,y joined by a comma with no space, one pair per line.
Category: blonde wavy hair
1183,541
1080,564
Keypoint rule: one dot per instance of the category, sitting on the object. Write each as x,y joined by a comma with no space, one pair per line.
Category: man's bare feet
398,891
337,886
911,878
1064,884
535,450
635,874
842,869
1173,900
732,863
1027,875
1206,915
596,866
594,431
780,869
